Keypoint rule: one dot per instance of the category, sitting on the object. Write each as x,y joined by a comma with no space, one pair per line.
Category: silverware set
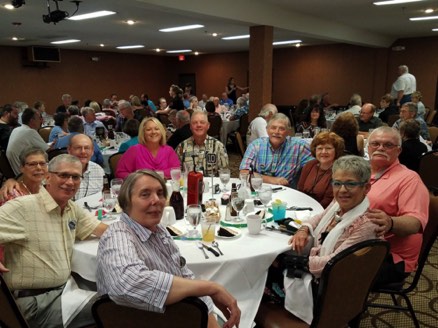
204,247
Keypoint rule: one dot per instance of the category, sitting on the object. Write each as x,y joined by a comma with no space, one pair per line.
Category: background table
228,127
242,269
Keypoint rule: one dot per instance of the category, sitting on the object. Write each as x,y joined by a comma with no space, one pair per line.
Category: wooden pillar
260,68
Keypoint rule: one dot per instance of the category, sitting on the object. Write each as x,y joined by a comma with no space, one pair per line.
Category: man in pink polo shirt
400,204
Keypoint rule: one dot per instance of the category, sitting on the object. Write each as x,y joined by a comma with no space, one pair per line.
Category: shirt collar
143,233
48,202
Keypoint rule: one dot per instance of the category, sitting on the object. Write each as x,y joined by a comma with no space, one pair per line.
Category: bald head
81,146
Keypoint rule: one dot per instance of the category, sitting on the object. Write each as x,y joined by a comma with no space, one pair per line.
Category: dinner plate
239,233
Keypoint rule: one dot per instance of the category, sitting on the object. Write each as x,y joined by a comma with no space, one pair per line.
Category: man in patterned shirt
278,158
407,111
38,232
200,145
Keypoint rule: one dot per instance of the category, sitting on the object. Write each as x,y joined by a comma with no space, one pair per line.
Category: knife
211,249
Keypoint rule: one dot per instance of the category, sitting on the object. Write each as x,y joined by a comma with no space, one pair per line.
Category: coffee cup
254,223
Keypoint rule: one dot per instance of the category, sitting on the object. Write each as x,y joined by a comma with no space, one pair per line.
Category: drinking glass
224,176
265,195
175,174
194,213
298,135
257,182
109,202
116,184
238,204
306,134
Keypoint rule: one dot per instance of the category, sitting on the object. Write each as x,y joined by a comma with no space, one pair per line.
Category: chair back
113,160
240,143
45,132
10,315
109,112
190,312
392,118
430,117
427,169
110,122
346,281
215,126
243,125
164,119
55,152
433,132
292,121
5,167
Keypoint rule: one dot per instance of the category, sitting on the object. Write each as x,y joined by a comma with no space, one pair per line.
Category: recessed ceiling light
429,11
196,53
214,34
277,43
181,28
65,41
14,38
158,50
9,6
236,37
393,2
130,22
136,46
95,14
101,45
435,29
178,51
423,18
298,45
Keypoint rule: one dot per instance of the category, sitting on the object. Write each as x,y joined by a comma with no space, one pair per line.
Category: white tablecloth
242,269
228,127
106,153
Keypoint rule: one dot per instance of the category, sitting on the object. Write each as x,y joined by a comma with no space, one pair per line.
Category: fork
201,247
216,245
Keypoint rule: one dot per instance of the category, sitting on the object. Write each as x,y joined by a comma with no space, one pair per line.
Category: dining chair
44,132
215,126
427,169
431,117
55,152
392,119
113,160
164,119
5,168
403,289
242,130
342,290
189,312
10,315
433,132
240,143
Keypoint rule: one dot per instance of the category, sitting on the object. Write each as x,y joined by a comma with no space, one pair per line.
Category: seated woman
387,108
343,224
416,99
412,147
138,263
150,153
313,120
346,126
316,175
131,129
60,129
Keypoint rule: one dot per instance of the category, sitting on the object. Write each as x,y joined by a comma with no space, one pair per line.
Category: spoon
201,247
216,245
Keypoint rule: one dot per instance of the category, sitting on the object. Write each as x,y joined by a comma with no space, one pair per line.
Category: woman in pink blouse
151,152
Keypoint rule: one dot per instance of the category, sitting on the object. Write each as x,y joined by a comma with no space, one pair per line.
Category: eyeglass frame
66,176
347,184
35,164
386,145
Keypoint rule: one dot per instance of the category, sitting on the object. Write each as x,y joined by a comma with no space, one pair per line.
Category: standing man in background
404,86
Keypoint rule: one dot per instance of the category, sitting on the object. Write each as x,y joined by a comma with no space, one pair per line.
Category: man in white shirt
257,127
404,86
355,105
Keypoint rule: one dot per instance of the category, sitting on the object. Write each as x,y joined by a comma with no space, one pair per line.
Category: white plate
238,231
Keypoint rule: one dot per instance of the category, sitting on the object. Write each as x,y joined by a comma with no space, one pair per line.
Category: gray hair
124,104
386,129
268,109
280,117
355,165
356,99
183,116
404,68
240,101
87,110
63,158
25,153
412,107
125,193
201,113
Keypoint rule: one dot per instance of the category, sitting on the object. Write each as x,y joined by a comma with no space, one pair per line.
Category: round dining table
242,268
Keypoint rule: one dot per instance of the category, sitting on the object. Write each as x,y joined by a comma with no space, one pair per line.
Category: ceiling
313,21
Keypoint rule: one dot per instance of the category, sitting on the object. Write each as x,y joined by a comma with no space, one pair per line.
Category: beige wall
339,69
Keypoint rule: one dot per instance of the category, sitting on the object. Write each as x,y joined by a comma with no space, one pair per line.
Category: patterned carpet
424,298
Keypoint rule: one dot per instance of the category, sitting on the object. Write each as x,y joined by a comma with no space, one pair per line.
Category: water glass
238,204
109,202
298,135
175,174
194,214
265,195
224,176
306,134
116,184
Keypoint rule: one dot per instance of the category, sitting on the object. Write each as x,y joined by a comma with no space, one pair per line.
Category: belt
32,292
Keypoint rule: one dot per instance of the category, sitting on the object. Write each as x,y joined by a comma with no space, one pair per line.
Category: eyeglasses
348,184
35,164
66,176
386,145
324,148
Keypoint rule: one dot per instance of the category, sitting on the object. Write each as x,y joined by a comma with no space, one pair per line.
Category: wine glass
224,176
175,174
306,134
238,204
194,213
257,182
265,195
116,184
109,202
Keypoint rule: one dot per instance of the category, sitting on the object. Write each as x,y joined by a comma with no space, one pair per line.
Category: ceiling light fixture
435,29
95,14
17,3
181,28
196,53
57,15
157,50
298,45
429,11
214,34
130,22
8,6
135,46
236,37
394,2
178,51
14,38
65,41
423,18
101,45
278,43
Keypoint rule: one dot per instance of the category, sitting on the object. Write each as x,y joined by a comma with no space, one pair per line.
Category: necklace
22,182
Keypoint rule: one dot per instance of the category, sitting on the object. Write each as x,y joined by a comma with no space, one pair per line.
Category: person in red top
399,203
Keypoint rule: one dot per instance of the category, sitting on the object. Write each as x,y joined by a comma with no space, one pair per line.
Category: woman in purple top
151,152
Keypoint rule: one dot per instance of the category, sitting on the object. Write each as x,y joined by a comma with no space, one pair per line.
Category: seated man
182,132
8,121
367,120
138,263
199,144
242,109
399,204
38,232
409,110
90,122
278,158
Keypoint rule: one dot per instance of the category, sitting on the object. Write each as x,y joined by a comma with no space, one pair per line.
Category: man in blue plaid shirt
279,157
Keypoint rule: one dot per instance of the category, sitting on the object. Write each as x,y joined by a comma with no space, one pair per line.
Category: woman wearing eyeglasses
343,224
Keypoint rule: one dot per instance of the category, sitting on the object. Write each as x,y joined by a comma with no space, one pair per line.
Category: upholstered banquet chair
190,312
45,132
10,315
6,171
428,169
342,291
